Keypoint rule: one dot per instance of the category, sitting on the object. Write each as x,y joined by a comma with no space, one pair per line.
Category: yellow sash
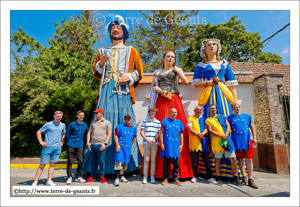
204,95
194,142
217,127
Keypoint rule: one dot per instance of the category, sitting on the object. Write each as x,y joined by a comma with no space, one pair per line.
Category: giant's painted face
169,59
116,32
211,47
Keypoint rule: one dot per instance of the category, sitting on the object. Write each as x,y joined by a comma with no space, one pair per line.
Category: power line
272,36
269,38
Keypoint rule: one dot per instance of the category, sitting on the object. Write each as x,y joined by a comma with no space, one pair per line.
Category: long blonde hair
204,60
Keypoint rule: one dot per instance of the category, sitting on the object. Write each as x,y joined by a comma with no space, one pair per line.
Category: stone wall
269,125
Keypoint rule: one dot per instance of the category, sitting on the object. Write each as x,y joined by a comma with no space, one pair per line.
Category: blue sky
39,24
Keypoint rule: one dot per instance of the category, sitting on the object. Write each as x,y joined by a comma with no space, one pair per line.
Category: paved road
270,185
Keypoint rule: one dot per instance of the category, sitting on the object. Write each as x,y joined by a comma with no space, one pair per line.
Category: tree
263,57
165,26
58,77
237,44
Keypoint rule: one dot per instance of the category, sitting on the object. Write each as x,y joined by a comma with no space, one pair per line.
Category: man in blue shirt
171,140
54,140
241,125
74,137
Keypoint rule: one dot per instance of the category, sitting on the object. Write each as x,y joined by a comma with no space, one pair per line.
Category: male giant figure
122,69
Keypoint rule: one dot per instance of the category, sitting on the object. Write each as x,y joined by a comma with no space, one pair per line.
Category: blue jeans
98,160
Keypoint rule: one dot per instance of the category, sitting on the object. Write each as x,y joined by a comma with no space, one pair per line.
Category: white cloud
285,51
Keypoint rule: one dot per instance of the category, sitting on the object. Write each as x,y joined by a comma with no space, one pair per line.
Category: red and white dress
169,82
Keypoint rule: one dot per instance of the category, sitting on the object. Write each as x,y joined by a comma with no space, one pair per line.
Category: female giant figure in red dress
168,97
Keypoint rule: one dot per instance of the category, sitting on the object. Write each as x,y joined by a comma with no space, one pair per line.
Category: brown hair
235,105
78,112
152,109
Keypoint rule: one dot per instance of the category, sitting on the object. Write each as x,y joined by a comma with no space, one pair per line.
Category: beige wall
189,100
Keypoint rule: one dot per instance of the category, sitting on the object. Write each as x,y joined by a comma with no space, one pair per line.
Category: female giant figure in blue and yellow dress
222,95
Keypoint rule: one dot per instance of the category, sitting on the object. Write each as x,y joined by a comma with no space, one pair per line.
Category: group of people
171,142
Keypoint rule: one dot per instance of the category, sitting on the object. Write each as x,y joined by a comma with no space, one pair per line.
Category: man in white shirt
150,131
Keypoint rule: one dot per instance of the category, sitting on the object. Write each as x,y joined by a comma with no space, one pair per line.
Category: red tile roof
264,68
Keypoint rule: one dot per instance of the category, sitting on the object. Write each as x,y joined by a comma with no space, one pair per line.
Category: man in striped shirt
150,131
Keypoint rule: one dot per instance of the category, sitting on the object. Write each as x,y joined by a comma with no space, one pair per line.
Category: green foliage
63,154
58,77
237,44
157,36
269,57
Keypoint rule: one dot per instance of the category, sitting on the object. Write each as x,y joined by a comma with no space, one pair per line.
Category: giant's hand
211,83
158,90
103,59
124,77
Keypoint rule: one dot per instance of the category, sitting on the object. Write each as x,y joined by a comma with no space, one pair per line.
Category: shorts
245,154
119,166
51,154
227,154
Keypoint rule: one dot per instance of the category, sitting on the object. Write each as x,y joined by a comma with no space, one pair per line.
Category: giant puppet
216,78
119,69
165,96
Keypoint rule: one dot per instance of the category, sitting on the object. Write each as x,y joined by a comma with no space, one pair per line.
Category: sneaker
90,180
69,181
213,181
252,184
177,183
152,179
80,180
194,179
244,181
123,179
144,180
220,182
50,183
34,183
165,182
116,184
103,180
237,182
